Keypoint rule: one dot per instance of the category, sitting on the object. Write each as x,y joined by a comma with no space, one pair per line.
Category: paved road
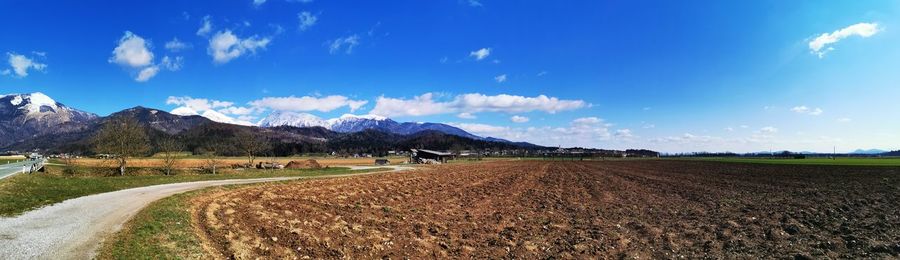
7,170
75,228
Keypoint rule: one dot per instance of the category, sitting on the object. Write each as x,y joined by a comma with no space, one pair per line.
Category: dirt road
75,228
580,210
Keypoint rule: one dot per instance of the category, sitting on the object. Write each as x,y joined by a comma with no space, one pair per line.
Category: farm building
429,156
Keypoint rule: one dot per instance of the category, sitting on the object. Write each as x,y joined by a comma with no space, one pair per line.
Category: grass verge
24,192
162,230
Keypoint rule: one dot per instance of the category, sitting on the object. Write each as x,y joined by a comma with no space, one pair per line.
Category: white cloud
474,3
587,121
542,73
768,130
205,26
176,45
624,133
21,64
844,120
483,129
425,104
686,139
466,115
501,78
519,119
807,110
225,46
132,51
257,3
481,53
346,43
307,20
308,103
197,104
214,110
172,64
729,129
146,73
820,45
584,133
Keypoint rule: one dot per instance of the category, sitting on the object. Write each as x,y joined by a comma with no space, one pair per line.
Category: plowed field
645,209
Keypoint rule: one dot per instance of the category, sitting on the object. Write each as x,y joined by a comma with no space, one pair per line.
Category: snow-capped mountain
285,118
26,115
356,123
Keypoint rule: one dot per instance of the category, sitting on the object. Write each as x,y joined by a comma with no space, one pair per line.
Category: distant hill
870,151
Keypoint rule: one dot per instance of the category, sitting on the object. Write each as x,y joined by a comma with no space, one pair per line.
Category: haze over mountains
36,121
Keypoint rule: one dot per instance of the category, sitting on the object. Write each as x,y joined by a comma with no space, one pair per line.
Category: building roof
432,152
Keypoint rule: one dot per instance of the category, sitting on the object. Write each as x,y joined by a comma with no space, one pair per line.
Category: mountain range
36,121
353,123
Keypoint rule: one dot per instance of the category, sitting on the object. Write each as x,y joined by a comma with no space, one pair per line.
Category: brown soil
621,209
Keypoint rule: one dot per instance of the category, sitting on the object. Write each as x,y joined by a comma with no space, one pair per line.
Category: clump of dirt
614,209
307,164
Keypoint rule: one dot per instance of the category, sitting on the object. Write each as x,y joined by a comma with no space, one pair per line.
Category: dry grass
224,161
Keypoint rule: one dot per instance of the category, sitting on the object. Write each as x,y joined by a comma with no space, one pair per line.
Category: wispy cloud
807,110
176,45
519,119
345,43
21,64
205,26
225,46
426,104
500,78
307,20
480,54
308,103
821,45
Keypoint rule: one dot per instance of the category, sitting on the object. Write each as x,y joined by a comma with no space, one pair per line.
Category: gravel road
75,228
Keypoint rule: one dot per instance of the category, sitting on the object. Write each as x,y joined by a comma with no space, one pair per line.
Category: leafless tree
169,147
251,144
211,157
122,138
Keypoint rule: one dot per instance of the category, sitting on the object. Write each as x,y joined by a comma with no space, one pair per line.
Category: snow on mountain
222,118
25,115
355,123
352,123
287,118
40,108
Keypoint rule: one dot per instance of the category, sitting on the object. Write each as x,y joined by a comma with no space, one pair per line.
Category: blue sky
686,76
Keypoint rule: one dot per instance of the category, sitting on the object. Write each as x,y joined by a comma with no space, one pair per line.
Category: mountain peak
31,114
369,117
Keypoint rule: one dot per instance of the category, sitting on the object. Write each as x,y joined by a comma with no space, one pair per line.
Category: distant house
429,156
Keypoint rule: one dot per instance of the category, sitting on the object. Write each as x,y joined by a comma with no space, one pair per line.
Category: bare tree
69,163
122,138
251,144
169,147
211,157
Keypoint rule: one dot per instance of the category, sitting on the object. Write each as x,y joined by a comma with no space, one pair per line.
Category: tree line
123,138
